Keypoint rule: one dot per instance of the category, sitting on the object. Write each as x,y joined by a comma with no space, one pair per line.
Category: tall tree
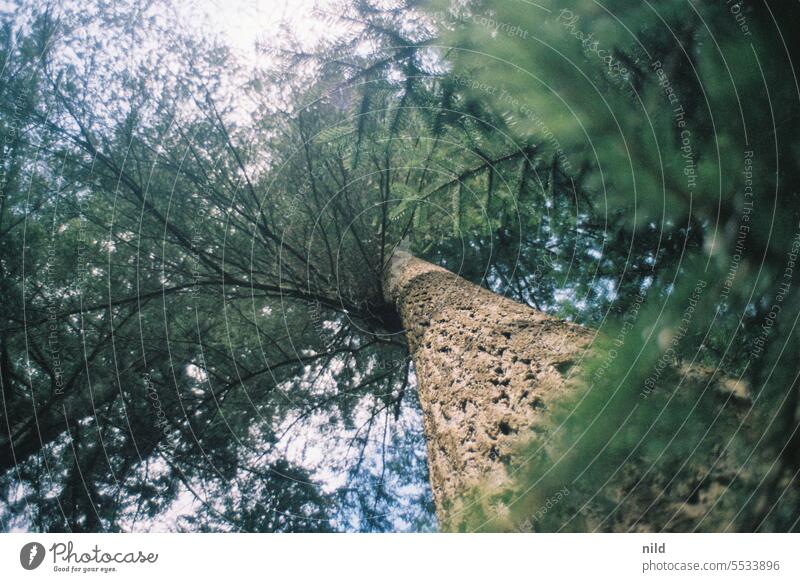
208,301
487,367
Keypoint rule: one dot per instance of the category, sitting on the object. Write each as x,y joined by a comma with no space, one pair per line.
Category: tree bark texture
487,369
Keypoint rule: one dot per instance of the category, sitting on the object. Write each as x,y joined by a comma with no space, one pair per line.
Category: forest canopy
195,233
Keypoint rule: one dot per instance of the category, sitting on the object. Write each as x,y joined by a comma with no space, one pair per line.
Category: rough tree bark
486,368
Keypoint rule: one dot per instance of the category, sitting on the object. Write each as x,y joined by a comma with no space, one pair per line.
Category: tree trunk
486,368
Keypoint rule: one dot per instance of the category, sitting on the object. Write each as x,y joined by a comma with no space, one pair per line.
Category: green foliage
666,113
211,239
